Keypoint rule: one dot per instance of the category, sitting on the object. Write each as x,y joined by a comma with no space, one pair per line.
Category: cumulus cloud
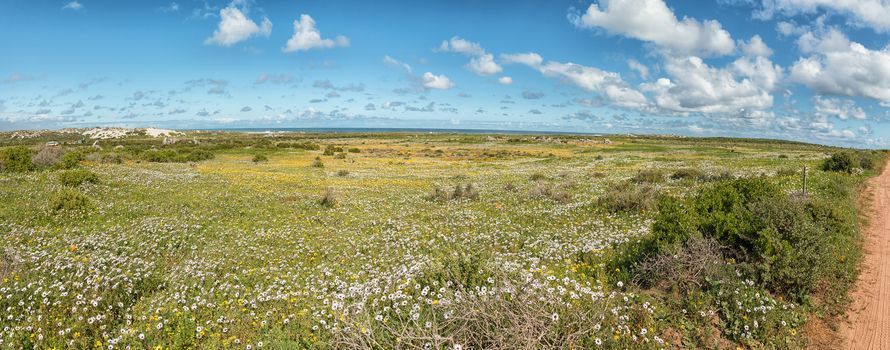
756,47
695,86
307,37
481,63
838,66
652,21
438,82
840,108
593,79
505,80
235,27
864,13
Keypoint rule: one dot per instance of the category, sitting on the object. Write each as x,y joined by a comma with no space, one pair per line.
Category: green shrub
343,173
354,150
111,158
177,155
788,245
69,200
260,158
71,159
317,163
839,162
76,177
16,159
648,176
686,174
459,192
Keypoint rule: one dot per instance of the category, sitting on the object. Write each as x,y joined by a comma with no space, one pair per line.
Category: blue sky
810,70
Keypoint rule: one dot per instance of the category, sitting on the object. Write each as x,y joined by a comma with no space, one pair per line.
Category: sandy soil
869,315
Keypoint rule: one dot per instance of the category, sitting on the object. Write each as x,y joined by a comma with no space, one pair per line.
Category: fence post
804,181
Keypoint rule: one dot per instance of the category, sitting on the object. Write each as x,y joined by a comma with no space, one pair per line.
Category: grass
313,251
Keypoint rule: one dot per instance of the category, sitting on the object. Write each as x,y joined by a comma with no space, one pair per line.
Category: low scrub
629,197
460,192
69,200
76,177
177,155
551,191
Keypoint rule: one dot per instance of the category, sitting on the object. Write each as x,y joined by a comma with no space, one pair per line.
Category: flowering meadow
388,241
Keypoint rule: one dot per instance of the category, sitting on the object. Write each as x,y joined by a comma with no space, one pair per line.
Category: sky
806,70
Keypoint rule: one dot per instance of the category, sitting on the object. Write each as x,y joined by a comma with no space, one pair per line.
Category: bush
260,158
459,192
71,159
648,176
787,245
786,172
538,177
111,158
329,198
340,156
686,174
69,200
629,197
354,150
840,162
177,155
866,163
76,177
48,156
343,173
317,163
545,190
16,159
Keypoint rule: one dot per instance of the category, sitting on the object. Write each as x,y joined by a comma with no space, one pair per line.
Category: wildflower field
423,241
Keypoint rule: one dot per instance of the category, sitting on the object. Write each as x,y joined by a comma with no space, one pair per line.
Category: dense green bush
76,177
16,159
840,162
786,244
71,159
69,200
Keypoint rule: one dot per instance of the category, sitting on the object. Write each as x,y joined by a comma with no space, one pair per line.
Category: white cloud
834,107
505,80
529,59
484,65
866,13
456,44
653,21
392,62
307,37
609,84
74,5
696,87
756,47
235,27
439,82
640,68
839,66
481,63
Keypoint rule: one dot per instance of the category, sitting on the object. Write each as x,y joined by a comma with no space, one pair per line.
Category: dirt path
869,314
